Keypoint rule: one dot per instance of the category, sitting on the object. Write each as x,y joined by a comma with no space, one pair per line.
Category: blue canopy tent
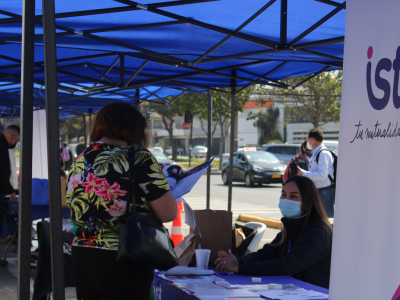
108,49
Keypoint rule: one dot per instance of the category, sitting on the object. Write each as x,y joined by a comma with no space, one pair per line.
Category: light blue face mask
289,208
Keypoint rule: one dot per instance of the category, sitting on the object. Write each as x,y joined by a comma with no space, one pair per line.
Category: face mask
308,153
12,146
309,145
289,208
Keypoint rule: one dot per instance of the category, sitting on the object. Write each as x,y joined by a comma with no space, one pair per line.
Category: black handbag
142,236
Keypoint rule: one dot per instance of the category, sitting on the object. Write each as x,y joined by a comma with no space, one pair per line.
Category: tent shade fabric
107,49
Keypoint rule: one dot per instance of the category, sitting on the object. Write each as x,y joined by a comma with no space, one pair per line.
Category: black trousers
98,276
2,211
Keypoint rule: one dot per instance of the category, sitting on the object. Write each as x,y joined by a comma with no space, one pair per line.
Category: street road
258,200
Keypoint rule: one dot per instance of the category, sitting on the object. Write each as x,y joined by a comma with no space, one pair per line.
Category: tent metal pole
105,10
25,223
321,54
266,74
53,152
317,24
312,76
329,2
255,15
283,33
231,142
84,130
122,70
243,36
209,144
233,56
90,121
339,39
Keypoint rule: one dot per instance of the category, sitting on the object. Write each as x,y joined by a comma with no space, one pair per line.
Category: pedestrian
66,155
81,146
63,173
303,161
302,249
322,170
8,140
97,194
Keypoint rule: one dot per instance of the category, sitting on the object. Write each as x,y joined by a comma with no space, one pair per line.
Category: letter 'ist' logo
385,64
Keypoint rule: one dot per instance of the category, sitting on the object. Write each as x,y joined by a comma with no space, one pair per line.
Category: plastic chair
260,227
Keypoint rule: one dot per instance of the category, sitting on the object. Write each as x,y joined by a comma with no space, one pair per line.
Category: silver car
284,152
199,151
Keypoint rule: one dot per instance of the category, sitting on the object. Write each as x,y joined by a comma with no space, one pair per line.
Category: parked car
161,157
199,151
159,149
225,156
284,152
179,150
254,167
332,145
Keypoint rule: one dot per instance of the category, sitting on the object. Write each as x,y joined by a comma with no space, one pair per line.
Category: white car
332,145
199,151
179,151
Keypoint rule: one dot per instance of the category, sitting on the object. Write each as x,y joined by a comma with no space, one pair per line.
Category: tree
316,100
221,112
266,123
168,113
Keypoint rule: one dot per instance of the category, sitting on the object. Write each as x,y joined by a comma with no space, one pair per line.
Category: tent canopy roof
106,47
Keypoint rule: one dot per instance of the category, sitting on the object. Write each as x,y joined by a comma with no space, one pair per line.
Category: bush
273,138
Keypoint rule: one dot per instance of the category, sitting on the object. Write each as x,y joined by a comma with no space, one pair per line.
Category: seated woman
302,249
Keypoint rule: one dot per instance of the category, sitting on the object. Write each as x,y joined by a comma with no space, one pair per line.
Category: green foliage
266,123
316,100
221,109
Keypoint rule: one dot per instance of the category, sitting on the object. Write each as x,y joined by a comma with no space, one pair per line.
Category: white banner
39,145
366,240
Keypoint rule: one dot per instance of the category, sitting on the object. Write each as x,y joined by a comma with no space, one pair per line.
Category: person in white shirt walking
321,171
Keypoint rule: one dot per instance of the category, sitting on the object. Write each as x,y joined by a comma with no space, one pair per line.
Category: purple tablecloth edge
163,290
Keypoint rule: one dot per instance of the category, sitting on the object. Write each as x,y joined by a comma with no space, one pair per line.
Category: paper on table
206,289
184,271
184,185
190,217
193,278
282,294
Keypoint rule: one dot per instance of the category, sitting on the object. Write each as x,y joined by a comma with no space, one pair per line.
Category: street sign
185,125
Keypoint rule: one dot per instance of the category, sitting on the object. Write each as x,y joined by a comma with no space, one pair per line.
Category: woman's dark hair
65,144
303,146
311,204
120,121
62,163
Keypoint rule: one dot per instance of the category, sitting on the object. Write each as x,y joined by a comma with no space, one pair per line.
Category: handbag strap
131,194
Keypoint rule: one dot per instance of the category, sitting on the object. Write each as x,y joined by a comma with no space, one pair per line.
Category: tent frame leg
50,65
232,142
27,92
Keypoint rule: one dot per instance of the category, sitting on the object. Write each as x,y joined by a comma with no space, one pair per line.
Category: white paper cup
202,257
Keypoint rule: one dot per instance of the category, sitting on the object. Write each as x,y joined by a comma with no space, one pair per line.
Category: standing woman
303,161
98,182
302,249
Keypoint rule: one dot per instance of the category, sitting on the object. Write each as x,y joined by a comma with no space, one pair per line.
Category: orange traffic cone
176,231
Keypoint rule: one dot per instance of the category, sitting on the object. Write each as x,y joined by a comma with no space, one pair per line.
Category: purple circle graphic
370,52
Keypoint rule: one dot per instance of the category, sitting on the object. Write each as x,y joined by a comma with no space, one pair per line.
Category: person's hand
299,171
13,197
226,262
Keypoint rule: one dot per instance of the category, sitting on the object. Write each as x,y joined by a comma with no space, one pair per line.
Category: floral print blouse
97,188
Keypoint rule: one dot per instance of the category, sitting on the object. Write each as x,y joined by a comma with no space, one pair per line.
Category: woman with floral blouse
97,187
